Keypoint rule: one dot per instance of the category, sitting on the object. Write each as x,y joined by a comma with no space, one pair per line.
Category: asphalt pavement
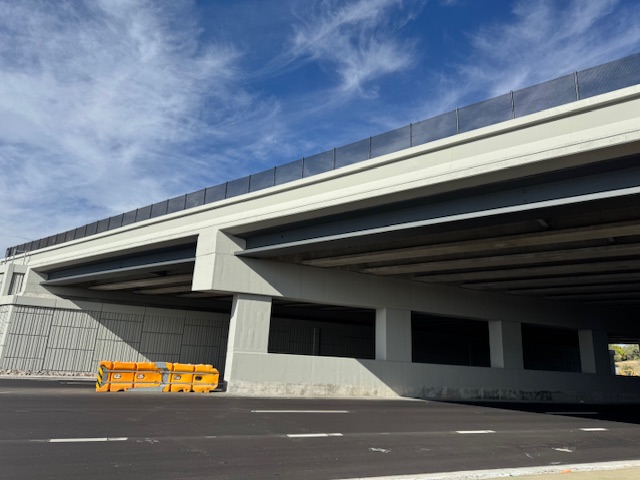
64,429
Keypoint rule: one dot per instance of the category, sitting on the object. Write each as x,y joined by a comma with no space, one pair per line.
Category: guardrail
156,376
576,86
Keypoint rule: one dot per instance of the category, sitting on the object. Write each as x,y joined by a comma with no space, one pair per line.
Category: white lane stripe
299,411
598,429
465,432
79,440
313,435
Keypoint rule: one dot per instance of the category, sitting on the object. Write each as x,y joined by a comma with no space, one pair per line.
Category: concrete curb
575,470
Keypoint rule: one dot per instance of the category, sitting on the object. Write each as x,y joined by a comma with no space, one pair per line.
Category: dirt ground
630,368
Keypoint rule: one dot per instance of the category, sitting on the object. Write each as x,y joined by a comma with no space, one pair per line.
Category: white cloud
357,40
100,106
544,39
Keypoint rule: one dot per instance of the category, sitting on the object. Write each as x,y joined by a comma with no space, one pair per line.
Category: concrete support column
594,351
505,343
6,312
6,280
249,327
393,335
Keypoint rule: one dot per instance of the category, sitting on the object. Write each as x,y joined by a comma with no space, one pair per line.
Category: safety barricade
205,378
160,376
147,375
181,377
103,382
115,376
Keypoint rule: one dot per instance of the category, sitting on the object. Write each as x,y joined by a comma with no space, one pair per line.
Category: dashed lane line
299,411
290,435
82,440
471,432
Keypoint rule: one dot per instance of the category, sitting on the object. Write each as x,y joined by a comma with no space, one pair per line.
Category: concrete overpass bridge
490,253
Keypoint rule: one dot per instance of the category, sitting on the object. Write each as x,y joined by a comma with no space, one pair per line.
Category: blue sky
110,105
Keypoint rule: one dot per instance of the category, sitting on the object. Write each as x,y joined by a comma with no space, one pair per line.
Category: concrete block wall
42,339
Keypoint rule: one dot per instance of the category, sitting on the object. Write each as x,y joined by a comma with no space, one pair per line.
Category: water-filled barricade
158,376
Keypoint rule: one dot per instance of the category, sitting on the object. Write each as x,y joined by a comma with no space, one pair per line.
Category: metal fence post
575,79
513,106
457,121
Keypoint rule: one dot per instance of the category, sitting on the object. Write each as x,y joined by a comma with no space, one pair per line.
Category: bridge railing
579,85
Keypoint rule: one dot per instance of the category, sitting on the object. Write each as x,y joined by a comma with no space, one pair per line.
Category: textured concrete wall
5,312
305,375
40,339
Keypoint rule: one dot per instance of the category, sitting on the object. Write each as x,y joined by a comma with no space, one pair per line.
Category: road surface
65,430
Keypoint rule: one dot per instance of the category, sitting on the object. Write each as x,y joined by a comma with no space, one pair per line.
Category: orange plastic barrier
103,381
205,378
162,376
181,377
147,375
122,376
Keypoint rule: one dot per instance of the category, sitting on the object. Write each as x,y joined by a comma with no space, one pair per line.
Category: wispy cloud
109,105
358,41
105,106
542,40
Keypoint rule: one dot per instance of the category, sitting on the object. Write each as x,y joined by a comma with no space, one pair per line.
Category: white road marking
598,429
313,435
299,411
465,432
79,440
381,450
568,450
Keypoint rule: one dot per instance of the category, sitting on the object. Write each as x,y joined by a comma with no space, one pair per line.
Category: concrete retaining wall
41,339
273,374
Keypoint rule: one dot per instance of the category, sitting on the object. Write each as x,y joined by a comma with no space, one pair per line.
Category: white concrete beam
590,253
617,266
620,229
571,281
